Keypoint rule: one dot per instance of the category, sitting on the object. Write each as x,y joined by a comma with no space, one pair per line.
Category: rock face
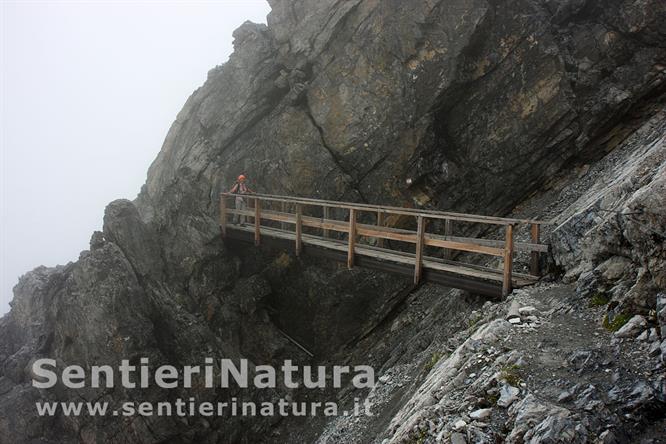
475,102
465,105
612,238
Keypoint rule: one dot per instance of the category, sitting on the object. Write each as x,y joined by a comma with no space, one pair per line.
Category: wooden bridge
387,238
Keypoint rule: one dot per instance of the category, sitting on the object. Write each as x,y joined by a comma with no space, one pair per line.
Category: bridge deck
483,280
383,254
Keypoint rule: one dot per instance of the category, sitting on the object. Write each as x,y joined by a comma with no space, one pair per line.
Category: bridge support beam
535,230
418,266
380,223
223,215
326,215
508,261
352,238
299,229
257,222
283,209
448,231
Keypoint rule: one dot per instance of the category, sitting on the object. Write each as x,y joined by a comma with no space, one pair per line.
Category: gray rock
528,310
586,400
477,435
632,328
581,359
590,230
535,421
565,396
481,414
655,349
458,438
508,394
606,437
513,312
97,240
614,268
5,385
661,313
594,406
615,394
250,291
639,395
654,336
557,427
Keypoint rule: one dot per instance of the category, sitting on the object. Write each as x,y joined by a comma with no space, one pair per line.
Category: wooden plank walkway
283,219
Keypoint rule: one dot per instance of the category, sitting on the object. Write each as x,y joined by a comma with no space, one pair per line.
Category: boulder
632,328
508,394
480,414
614,268
535,421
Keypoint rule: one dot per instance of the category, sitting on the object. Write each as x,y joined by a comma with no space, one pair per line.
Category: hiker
240,188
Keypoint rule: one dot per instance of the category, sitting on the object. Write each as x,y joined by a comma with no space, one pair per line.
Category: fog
89,91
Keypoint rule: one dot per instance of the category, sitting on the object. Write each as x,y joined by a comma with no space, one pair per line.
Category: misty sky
89,90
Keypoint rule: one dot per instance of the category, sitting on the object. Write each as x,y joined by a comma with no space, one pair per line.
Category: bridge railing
283,210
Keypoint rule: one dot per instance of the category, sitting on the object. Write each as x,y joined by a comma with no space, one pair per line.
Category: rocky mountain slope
546,108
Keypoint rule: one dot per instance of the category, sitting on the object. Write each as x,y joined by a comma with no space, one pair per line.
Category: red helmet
241,178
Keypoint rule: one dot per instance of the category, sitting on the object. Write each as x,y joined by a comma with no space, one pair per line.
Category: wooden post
352,238
534,260
380,223
299,217
223,214
508,261
448,231
283,225
257,221
418,266
326,216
